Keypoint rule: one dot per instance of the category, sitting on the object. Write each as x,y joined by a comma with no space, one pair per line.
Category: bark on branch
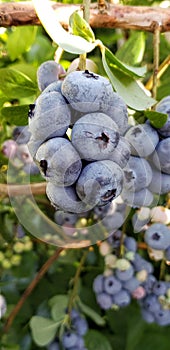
115,16
21,190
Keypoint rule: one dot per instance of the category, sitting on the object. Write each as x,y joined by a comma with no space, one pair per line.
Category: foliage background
23,49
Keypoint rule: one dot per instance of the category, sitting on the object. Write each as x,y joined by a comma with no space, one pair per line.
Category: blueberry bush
84,184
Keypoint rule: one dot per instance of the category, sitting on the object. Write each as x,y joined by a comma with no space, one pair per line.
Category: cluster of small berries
11,256
131,276
72,338
148,170
77,126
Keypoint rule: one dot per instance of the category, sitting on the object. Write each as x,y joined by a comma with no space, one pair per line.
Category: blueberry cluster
131,276
77,126
123,277
72,338
17,151
148,170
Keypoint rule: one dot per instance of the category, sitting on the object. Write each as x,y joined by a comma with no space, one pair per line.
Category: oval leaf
132,50
80,27
113,61
133,95
156,119
96,340
43,330
15,84
91,314
59,305
68,42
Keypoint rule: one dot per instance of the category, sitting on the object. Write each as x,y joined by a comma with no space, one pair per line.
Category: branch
30,288
115,16
20,190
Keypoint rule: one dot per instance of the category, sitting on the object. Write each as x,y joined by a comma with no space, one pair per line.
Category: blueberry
143,139
95,136
55,86
162,317
159,288
131,284
164,107
148,316
51,117
81,326
160,157
137,199
121,153
104,300
157,236
61,218
140,263
137,174
23,154
112,285
98,284
9,148
53,346
21,134
149,283
99,182
130,244
69,339
122,298
58,161
48,72
113,222
115,107
125,275
160,182
151,303
65,198
86,91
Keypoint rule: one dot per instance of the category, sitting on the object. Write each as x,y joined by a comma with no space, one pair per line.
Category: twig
30,288
21,190
156,42
161,70
117,16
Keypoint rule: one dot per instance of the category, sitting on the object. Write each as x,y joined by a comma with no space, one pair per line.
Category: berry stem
162,270
75,282
86,16
30,288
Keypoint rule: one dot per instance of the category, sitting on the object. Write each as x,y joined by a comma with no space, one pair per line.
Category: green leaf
133,95
20,40
156,119
88,311
113,61
43,330
96,340
59,305
68,42
80,27
15,84
133,49
17,115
